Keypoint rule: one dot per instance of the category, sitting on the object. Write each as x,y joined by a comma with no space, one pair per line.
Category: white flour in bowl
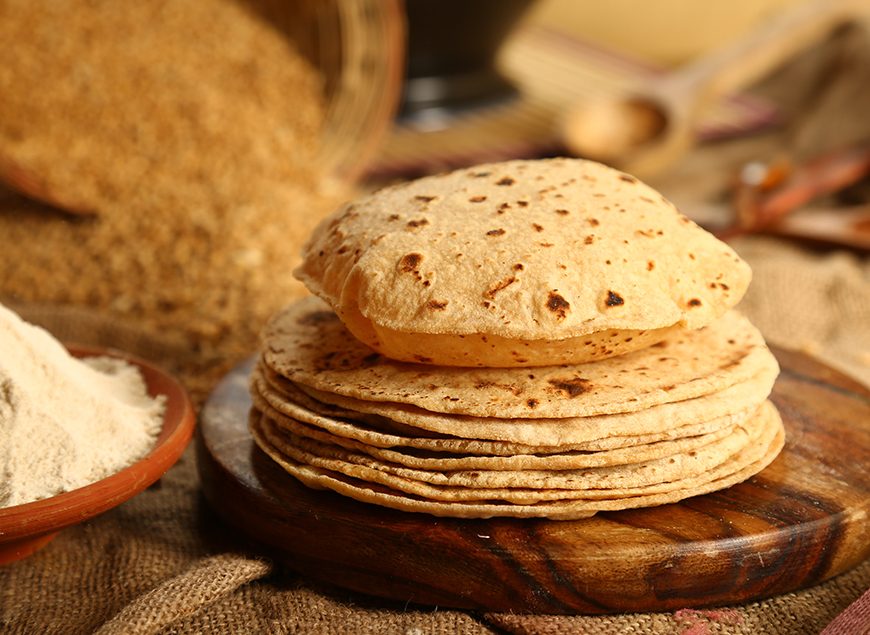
64,422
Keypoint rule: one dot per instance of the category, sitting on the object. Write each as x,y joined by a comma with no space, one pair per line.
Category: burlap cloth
164,563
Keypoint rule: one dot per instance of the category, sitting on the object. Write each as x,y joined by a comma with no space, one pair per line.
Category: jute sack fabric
164,563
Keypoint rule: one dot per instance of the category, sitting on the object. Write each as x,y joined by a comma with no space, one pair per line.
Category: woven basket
359,47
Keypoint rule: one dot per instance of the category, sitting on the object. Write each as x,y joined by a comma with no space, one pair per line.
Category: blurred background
162,163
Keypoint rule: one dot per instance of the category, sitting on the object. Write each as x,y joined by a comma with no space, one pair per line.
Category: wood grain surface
802,520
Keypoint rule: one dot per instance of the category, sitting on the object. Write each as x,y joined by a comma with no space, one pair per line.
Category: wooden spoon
645,131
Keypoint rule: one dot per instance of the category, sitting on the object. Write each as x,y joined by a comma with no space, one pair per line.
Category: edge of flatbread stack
362,392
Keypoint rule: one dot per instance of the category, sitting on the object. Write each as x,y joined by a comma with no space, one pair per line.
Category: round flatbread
379,431
307,344
522,472
523,263
358,432
435,455
719,408
361,490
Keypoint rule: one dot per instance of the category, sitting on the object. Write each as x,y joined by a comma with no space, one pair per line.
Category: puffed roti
523,263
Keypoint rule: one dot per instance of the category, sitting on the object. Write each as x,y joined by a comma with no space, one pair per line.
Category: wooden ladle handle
649,128
749,58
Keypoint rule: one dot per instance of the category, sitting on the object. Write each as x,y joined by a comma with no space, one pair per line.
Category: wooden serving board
802,520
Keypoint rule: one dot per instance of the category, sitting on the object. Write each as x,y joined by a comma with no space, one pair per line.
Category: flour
65,423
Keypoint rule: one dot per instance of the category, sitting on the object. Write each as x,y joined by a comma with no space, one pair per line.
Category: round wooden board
802,520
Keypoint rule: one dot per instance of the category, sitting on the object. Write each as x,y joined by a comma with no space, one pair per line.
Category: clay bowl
26,528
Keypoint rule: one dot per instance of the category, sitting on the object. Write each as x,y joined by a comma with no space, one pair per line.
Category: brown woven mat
164,563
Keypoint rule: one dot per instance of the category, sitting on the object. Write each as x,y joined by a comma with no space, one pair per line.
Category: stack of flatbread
532,338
